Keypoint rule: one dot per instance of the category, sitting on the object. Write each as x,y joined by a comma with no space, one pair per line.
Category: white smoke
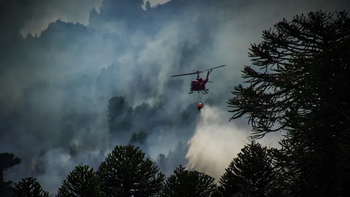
216,142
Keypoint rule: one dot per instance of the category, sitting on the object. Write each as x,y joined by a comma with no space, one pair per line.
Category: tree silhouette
139,138
293,168
126,172
187,183
228,184
119,115
301,90
250,174
29,187
296,58
81,182
7,161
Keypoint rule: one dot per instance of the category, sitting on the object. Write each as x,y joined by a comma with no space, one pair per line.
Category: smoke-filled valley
84,85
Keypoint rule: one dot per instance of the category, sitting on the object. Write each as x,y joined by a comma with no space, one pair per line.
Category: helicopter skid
205,91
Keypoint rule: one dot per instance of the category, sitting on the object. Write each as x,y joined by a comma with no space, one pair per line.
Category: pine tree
126,172
302,91
251,173
29,187
119,115
7,161
187,183
81,182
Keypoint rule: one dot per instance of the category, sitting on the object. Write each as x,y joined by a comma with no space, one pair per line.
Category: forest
296,85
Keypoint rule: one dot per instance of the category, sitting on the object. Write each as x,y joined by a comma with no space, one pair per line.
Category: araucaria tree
251,173
29,187
81,182
126,172
7,161
187,183
302,88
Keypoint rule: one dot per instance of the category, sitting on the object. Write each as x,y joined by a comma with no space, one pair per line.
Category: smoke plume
62,61
215,142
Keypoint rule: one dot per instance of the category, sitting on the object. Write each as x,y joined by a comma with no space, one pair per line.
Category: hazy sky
55,89
49,11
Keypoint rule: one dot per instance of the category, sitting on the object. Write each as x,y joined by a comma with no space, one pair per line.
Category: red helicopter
199,84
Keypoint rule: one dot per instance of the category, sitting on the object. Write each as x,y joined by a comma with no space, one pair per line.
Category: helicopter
198,85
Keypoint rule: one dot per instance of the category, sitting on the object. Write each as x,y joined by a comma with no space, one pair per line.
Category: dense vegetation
127,172
301,91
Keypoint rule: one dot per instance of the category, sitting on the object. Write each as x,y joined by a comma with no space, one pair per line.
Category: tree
126,172
81,182
250,174
297,57
119,115
29,187
187,183
7,161
148,5
163,163
228,184
294,168
301,92
139,138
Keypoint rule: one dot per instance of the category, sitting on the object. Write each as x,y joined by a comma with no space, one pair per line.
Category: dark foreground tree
229,184
187,183
305,69
7,161
29,187
302,89
81,182
126,172
250,174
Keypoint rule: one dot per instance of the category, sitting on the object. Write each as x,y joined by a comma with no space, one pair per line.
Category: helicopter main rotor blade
197,72
214,68
193,73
